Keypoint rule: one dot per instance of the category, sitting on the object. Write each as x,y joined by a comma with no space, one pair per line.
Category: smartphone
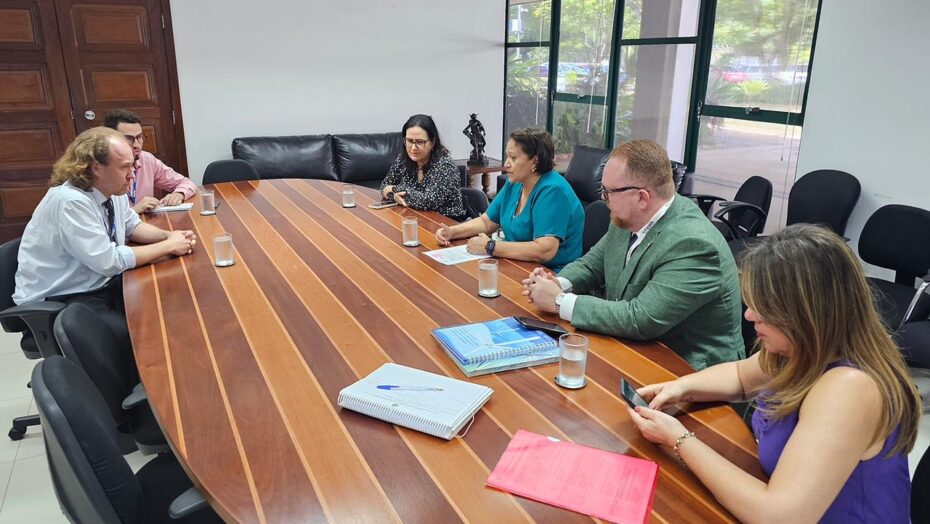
383,204
552,329
631,396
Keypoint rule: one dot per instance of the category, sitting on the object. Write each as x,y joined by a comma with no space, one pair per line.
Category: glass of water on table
573,358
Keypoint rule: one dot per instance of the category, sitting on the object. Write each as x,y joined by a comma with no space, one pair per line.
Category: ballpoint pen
390,387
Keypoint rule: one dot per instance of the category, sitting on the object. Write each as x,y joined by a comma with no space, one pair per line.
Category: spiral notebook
416,399
496,345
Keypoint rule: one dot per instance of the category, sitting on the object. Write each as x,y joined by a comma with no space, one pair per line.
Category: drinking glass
573,358
411,225
487,278
223,249
207,202
348,195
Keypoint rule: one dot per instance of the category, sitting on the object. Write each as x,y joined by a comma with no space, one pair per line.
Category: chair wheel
16,434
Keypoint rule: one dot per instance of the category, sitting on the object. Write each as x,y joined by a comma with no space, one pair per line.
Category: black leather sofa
361,159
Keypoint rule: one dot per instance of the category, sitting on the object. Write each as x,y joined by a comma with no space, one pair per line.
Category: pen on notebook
407,388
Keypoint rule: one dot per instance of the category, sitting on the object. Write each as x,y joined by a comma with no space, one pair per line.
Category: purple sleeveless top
879,489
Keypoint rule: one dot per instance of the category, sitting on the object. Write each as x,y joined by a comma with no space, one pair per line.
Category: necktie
633,238
111,219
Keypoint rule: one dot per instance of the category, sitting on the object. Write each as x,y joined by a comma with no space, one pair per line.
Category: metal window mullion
613,74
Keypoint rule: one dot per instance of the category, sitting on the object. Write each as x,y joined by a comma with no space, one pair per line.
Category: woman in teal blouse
541,218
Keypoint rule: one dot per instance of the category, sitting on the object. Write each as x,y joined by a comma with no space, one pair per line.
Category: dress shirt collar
641,234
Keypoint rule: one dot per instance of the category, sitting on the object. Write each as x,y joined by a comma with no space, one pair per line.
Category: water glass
207,202
223,250
573,358
348,195
487,278
410,226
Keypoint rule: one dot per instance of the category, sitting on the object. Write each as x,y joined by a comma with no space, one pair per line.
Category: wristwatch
389,195
558,302
489,247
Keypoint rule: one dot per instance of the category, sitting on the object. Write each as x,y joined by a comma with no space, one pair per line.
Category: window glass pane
576,124
529,21
585,33
654,95
660,18
760,53
526,88
730,151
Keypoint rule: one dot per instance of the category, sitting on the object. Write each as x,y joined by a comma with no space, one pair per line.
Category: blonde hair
93,145
648,165
806,282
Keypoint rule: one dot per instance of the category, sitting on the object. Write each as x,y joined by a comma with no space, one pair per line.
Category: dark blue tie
111,219
633,238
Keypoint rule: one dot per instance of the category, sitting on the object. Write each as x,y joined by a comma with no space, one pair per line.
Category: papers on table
169,209
453,255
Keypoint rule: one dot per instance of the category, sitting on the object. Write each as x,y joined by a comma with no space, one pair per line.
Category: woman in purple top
836,410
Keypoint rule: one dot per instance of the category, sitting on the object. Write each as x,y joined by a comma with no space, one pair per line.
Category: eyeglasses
419,142
605,193
132,139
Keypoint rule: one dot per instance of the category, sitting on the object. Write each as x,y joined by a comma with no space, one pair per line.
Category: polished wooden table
243,365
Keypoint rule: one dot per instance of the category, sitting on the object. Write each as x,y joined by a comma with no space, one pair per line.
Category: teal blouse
552,210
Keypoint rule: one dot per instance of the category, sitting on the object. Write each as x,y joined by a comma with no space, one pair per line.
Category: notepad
169,209
595,482
416,399
496,345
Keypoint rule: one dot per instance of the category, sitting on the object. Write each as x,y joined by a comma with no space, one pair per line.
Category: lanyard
132,194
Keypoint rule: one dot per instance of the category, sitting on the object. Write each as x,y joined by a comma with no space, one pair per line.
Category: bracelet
678,442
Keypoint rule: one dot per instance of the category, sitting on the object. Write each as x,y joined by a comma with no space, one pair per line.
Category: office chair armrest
36,309
186,503
729,208
705,202
39,318
137,397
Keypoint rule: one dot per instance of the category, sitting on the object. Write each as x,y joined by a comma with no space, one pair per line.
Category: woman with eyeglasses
836,411
541,218
424,176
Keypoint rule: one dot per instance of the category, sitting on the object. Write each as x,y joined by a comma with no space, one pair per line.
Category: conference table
243,366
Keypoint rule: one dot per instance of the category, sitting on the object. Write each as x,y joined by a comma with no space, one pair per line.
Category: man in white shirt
74,247
662,271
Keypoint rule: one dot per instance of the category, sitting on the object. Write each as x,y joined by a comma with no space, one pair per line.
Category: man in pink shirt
150,172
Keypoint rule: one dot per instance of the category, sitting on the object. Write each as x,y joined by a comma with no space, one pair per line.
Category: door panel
35,109
118,60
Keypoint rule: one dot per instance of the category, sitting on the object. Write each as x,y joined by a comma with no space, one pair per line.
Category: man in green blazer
664,270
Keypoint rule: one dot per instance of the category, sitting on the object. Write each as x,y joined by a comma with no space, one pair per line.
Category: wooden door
35,110
63,59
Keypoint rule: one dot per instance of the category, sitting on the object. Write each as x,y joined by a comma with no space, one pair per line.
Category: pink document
599,483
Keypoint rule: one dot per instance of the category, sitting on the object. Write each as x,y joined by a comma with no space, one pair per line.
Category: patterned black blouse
439,191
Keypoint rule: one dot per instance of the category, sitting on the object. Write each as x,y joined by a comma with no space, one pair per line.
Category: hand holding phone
550,328
631,396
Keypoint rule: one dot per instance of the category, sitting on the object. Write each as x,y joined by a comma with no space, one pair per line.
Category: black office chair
32,320
920,487
475,201
87,341
896,237
745,215
92,481
596,224
229,171
684,181
825,196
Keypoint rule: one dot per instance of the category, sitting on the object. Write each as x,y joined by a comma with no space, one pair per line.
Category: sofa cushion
585,172
306,156
365,157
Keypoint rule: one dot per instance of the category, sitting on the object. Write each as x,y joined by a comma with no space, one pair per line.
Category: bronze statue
475,133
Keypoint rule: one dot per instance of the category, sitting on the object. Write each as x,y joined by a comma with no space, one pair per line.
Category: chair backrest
596,223
920,488
9,252
897,237
476,202
585,171
88,342
91,478
679,176
757,191
234,170
825,196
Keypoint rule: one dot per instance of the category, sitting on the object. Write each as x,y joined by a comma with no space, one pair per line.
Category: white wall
867,110
286,67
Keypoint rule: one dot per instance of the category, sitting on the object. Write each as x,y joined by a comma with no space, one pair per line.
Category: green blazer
680,286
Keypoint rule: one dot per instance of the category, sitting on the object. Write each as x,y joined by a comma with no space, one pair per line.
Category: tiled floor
26,493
